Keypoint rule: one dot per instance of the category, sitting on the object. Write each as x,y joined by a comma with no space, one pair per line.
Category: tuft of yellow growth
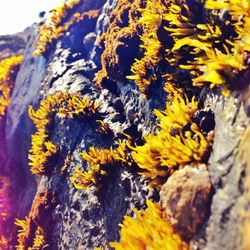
119,41
9,68
38,240
75,105
3,243
171,148
203,47
6,214
218,68
53,28
65,105
8,71
240,13
23,224
151,20
100,161
41,147
177,113
149,230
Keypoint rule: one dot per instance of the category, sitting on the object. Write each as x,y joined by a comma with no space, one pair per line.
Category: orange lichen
63,104
38,240
8,71
149,230
5,212
120,41
3,243
171,148
75,105
34,230
151,20
56,25
100,161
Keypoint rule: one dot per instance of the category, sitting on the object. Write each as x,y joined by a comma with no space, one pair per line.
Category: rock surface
204,204
185,198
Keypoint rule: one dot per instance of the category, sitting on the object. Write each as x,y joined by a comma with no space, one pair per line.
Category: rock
185,198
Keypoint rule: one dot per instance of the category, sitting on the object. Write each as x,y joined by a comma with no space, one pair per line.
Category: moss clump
149,230
120,42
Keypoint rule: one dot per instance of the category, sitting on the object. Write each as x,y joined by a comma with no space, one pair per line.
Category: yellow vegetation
151,20
75,105
100,161
240,13
171,148
210,57
212,50
53,28
66,105
39,237
149,230
3,243
8,71
5,212
119,41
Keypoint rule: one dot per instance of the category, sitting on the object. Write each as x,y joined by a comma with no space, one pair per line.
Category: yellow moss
149,230
8,70
3,243
38,240
54,27
99,160
119,41
151,20
240,12
65,105
211,57
170,147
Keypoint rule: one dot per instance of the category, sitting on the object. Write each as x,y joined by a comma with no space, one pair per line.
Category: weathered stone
185,198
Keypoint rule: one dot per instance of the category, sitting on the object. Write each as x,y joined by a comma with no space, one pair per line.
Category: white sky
16,15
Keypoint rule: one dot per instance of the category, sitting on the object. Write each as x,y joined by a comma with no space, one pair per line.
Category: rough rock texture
185,198
14,44
84,219
222,229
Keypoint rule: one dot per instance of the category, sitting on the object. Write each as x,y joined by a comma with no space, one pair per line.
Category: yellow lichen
63,104
6,214
151,20
149,230
119,41
8,71
38,242
3,243
55,26
203,47
100,162
171,147
240,13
